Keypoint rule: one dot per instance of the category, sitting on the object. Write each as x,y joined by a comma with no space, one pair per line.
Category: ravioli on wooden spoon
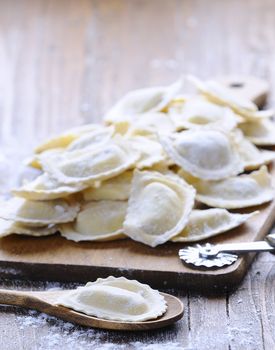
118,299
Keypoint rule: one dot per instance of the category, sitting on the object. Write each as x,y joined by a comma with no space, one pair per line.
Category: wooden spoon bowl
45,302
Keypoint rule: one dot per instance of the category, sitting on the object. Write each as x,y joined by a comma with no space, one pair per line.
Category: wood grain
65,62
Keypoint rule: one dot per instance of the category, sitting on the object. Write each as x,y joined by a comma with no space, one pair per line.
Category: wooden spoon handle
18,298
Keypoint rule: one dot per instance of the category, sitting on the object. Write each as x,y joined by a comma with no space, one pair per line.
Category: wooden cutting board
54,258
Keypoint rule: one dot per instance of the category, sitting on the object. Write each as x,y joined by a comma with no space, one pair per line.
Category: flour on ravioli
90,165
207,223
153,99
97,221
237,192
38,213
206,154
198,113
159,207
116,298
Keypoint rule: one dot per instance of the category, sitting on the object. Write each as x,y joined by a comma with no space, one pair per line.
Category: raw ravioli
222,95
47,188
206,223
87,166
250,155
159,207
198,113
206,154
151,151
36,160
237,192
136,102
150,123
65,139
8,227
92,139
116,299
97,221
38,213
261,133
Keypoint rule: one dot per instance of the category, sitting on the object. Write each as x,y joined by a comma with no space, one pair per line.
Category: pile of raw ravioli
144,173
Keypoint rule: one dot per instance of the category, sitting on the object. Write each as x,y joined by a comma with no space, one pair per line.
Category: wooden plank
263,296
201,325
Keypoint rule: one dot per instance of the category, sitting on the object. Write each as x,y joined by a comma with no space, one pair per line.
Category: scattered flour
247,337
65,335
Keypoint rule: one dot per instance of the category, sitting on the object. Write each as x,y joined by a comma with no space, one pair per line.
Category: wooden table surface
63,63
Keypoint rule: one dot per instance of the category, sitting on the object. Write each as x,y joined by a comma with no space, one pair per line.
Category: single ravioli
92,139
198,113
250,155
261,133
207,223
159,207
150,150
116,188
206,154
38,213
237,192
66,138
46,188
9,227
87,166
222,95
116,298
97,221
153,99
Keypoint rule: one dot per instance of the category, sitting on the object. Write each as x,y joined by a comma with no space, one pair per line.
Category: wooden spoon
45,302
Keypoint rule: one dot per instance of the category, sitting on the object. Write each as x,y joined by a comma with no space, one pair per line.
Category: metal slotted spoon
210,255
